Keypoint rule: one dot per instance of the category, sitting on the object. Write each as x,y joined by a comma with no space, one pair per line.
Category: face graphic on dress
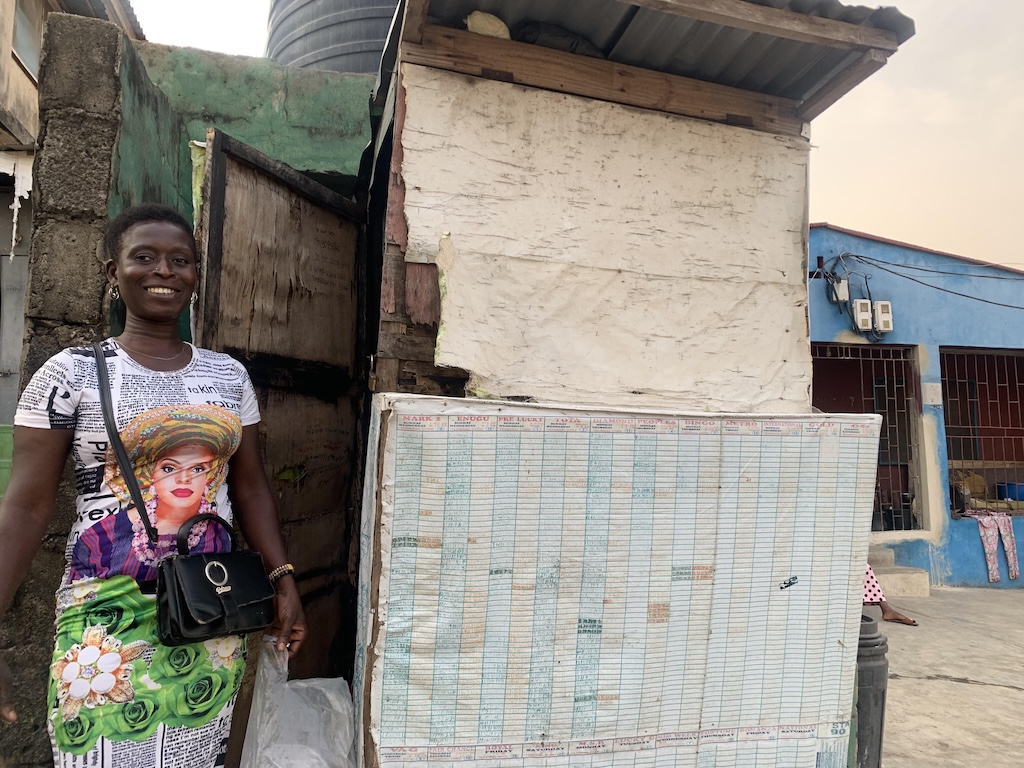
179,480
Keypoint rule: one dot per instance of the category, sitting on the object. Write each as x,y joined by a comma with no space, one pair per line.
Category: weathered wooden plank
319,380
415,19
406,342
396,230
869,63
294,268
212,236
422,294
323,620
309,455
392,284
778,22
417,377
291,178
532,65
385,375
280,294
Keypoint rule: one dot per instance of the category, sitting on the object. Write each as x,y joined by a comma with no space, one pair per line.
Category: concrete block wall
79,118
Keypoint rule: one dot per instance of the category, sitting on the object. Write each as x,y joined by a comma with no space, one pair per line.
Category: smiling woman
186,417
155,266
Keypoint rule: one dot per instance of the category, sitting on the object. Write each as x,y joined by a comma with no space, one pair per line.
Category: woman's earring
115,293
195,297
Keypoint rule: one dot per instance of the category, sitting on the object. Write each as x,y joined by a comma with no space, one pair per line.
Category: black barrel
872,681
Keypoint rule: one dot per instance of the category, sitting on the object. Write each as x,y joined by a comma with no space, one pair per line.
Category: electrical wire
873,261
872,334
832,295
832,279
933,287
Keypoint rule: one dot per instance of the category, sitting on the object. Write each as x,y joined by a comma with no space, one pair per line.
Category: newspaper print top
179,427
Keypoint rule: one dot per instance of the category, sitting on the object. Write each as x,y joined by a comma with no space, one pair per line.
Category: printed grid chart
558,587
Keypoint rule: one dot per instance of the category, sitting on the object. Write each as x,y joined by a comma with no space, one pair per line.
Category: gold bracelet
281,570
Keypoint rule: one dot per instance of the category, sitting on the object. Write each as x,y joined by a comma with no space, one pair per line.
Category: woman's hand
254,505
289,621
6,689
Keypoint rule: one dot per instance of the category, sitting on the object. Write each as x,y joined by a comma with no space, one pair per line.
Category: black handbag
198,597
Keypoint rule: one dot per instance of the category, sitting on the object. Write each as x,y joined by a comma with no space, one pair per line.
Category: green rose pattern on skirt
111,677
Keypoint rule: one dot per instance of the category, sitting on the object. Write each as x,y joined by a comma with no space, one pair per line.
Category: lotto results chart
546,586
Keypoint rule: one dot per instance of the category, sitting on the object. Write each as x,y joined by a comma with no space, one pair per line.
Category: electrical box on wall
862,314
883,316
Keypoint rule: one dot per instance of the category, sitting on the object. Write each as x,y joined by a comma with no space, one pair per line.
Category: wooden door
279,292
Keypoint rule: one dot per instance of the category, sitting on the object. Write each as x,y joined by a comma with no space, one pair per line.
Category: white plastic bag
297,723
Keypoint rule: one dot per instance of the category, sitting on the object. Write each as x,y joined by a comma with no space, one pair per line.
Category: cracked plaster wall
591,252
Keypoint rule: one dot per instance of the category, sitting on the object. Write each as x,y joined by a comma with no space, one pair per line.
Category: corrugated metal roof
600,21
703,50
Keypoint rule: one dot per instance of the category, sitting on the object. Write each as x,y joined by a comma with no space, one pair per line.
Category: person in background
873,595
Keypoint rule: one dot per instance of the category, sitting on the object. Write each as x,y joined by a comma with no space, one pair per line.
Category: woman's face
180,476
155,270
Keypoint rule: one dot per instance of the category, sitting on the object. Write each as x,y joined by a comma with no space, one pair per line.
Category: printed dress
117,697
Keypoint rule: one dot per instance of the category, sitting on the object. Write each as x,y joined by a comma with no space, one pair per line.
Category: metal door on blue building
878,379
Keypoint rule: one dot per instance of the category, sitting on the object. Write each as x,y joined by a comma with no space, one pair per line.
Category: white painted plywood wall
591,252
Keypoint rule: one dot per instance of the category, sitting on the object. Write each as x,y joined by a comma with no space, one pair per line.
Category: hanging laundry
992,527
19,165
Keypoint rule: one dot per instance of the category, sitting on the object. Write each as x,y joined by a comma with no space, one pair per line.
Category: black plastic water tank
872,682
339,35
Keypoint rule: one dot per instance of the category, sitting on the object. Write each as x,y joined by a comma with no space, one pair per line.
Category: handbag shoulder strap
186,529
125,463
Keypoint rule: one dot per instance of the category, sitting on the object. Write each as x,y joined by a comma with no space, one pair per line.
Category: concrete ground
956,681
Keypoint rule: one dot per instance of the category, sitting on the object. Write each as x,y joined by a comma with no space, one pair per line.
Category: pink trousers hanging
991,528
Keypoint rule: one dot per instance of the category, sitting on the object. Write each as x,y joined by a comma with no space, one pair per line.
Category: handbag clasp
221,583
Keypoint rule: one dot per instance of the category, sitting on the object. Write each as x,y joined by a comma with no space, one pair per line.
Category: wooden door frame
301,376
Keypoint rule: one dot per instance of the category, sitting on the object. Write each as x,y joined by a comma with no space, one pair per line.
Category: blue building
943,363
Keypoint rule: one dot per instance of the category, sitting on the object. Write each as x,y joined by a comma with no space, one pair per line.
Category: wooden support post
415,20
869,63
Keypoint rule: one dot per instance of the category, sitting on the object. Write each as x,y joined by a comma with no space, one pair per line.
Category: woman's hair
156,432
142,214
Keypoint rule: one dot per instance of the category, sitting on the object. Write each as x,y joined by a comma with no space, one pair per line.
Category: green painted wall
152,162
312,120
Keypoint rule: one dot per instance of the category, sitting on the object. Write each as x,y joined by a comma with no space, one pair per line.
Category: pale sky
929,149
228,26
925,151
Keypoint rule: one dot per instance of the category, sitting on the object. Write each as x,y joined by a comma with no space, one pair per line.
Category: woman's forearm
261,528
253,501
29,502
22,528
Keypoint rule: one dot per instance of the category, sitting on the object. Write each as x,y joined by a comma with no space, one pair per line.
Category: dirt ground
956,681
